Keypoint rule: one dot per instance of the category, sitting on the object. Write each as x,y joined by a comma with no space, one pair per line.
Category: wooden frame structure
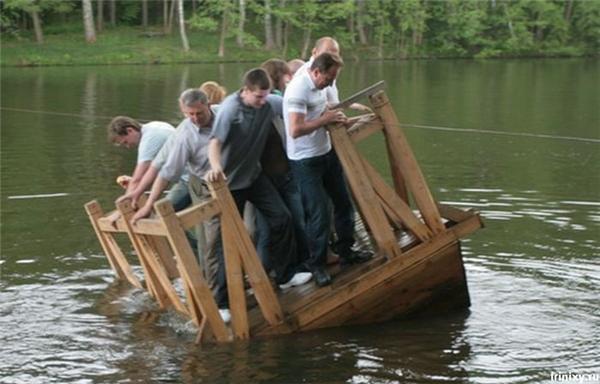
417,261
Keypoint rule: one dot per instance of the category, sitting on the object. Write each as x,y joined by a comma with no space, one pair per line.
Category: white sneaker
298,279
225,315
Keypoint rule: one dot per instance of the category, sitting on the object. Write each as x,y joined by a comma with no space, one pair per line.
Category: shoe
225,315
356,257
321,276
298,279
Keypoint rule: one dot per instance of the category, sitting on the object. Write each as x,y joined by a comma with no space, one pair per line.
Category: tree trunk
100,15
306,44
269,41
242,21
184,39
37,27
145,14
165,16
360,11
88,21
568,11
350,26
279,26
113,13
171,16
286,33
224,21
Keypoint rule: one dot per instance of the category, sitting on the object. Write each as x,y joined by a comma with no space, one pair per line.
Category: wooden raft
417,263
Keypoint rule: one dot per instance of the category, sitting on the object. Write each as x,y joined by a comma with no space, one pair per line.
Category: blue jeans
282,243
319,179
290,193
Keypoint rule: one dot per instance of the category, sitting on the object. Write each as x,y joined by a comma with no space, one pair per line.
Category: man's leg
309,175
266,199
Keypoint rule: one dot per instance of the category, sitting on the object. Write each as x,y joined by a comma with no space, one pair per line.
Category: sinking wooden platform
418,264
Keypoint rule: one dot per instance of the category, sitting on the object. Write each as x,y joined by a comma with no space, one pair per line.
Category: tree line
389,28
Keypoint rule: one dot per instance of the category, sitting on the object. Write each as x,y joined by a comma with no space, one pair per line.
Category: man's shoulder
298,85
158,125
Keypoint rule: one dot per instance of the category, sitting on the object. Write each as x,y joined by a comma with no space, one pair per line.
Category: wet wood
116,258
190,271
404,159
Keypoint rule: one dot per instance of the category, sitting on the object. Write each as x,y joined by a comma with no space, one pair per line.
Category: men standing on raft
239,134
315,165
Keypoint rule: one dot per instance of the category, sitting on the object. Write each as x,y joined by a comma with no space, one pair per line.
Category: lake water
518,140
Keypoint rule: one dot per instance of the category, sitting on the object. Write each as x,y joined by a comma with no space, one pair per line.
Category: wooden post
161,245
403,158
166,294
115,257
235,279
191,273
363,192
396,206
263,291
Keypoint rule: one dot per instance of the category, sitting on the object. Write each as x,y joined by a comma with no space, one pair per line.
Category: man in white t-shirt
315,165
148,138
328,44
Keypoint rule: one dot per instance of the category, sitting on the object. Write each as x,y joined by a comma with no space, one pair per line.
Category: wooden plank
263,291
360,94
162,249
466,226
235,278
195,214
406,163
454,214
151,227
190,272
355,288
365,128
395,204
439,276
363,192
108,226
166,294
116,259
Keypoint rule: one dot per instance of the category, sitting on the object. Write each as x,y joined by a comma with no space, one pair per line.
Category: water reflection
533,272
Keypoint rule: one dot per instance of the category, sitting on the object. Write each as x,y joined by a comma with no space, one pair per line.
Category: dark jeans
263,195
319,179
290,193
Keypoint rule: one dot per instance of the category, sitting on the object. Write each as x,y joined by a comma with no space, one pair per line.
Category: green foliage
393,28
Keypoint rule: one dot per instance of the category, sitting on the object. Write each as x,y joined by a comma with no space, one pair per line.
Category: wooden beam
263,291
363,192
396,206
195,214
113,253
161,246
191,273
360,94
235,278
166,294
404,159
364,128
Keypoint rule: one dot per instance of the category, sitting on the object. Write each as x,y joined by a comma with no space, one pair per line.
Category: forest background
75,32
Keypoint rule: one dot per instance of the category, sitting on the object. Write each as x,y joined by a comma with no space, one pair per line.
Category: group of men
227,143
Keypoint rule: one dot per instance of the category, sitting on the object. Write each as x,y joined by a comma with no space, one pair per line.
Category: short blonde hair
214,91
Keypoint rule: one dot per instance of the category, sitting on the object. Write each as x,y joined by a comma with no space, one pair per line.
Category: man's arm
146,182
300,127
138,173
158,187
214,158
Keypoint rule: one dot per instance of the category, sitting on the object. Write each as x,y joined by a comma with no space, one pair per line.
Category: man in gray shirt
239,134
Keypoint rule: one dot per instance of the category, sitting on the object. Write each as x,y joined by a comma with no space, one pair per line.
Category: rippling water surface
518,141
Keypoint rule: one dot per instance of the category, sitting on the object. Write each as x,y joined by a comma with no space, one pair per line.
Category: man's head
193,103
324,69
326,45
124,131
295,65
257,86
279,72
